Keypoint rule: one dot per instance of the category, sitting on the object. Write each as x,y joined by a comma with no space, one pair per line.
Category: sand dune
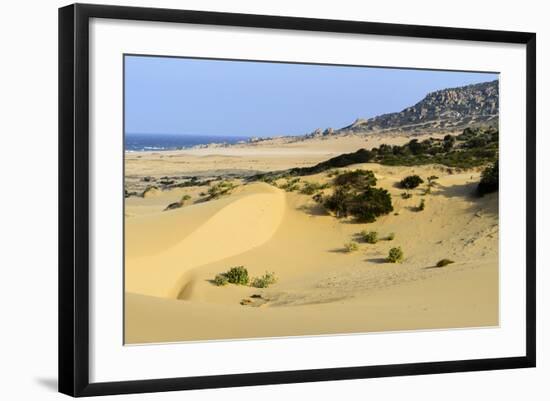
173,256
162,247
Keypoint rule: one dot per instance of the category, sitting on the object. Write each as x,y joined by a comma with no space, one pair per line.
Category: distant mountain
442,110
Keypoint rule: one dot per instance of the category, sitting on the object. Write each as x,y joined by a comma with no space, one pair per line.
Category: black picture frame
74,199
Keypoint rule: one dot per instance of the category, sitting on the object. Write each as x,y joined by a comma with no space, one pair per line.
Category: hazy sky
212,97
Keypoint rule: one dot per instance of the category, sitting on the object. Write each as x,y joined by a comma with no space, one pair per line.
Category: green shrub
390,237
444,262
411,182
370,204
264,281
309,188
237,275
351,246
395,255
365,204
177,205
339,202
489,180
370,237
221,280
406,195
358,179
219,189
291,184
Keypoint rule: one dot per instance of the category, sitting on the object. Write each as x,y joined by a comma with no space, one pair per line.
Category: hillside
443,110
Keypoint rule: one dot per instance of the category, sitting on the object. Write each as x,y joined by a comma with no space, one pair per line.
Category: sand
173,256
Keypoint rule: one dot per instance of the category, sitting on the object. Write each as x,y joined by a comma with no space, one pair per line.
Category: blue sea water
158,142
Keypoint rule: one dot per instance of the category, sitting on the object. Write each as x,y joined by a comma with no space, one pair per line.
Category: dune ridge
180,240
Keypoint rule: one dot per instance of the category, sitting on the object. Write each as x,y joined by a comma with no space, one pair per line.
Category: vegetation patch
489,180
354,195
411,182
219,189
264,281
309,188
472,148
370,237
178,204
395,255
351,246
221,280
357,179
444,262
235,275
291,184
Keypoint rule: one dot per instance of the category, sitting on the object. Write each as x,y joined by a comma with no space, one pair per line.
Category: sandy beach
173,256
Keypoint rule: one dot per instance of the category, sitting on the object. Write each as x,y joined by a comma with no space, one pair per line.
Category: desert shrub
390,237
406,195
489,180
411,182
180,203
418,148
338,202
370,204
358,179
365,205
267,180
351,246
444,262
219,189
421,206
290,184
395,255
309,188
264,281
237,275
221,280
370,237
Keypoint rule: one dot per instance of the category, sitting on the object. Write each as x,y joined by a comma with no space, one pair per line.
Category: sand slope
162,247
172,257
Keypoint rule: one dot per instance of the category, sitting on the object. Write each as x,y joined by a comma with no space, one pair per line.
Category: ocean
152,142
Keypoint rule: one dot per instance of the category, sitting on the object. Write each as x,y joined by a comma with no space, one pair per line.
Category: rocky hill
442,110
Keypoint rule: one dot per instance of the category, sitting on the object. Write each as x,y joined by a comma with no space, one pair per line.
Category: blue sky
242,98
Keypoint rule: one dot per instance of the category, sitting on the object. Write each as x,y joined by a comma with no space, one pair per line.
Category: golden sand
172,256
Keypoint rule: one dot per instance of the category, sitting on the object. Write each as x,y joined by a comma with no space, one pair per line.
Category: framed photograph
251,199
